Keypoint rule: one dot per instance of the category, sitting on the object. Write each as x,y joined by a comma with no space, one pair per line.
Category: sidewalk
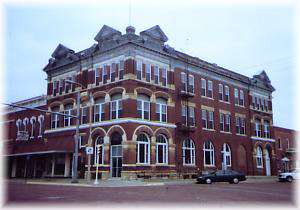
130,183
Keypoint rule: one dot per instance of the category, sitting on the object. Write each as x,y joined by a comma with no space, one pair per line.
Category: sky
246,38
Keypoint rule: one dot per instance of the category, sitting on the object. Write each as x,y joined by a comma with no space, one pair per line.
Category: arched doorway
267,160
116,155
242,159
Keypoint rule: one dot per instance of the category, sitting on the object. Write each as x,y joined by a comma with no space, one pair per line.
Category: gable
106,32
156,33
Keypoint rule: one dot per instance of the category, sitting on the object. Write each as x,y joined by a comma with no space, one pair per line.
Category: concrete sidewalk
130,183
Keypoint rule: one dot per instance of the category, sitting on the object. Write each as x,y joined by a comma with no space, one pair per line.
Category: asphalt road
252,193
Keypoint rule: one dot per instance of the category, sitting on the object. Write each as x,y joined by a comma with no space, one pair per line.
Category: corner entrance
116,155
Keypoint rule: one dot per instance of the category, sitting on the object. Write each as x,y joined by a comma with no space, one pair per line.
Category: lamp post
76,136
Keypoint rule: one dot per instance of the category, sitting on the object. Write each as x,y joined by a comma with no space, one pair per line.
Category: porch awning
39,153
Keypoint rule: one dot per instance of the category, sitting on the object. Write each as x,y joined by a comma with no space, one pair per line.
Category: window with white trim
55,87
156,74
266,105
188,120
164,76
19,125
97,76
161,149
99,109
139,68
226,155
204,118
227,95
188,152
33,123
161,109
267,129
68,85
203,87
121,69
55,118
84,114
25,123
257,128
143,149
113,71
221,97
222,122
227,122
262,102
210,119
143,106
148,72
236,96
209,89
191,84
116,106
41,126
242,98
209,156
61,85
183,81
68,110
259,163
104,73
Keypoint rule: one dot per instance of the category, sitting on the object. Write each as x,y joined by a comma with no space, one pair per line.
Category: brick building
286,152
149,109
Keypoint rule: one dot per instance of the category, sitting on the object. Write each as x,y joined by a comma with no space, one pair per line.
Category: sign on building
22,136
89,150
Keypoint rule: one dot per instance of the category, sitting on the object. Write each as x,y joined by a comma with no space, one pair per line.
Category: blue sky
245,38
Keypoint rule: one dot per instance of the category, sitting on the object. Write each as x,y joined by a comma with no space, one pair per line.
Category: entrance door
268,168
116,160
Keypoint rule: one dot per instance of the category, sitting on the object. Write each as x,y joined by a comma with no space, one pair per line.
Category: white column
67,165
14,167
53,165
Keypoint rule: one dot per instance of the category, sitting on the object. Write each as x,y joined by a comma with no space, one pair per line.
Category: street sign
89,150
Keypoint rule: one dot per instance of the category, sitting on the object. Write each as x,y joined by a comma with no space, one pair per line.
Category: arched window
226,156
19,125
25,123
209,157
143,149
143,106
55,118
161,149
161,110
116,106
41,126
33,122
68,111
188,152
99,150
259,162
99,110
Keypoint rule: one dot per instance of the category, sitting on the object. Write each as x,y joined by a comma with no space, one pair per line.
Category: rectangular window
267,130
84,114
68,85
262,104
113,72
227,97
55,85
104,74
139,65
222,128
143,108
67,119
61,83
97,76
54,121
192,116
279,143
184,114
236,96
148,72
203,87
257,100
211,120
164,76
98,112
116,109
191,84
243,127
266,105
237,125
121,69
227,120
204,118
257,129
161,112
156,75
254,102
221,92
242,98
209,89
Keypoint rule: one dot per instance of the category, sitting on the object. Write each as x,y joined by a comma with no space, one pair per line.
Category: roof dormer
107,33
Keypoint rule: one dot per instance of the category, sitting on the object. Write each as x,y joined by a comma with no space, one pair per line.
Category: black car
222,176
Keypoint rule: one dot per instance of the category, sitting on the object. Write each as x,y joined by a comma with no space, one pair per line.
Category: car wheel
208,181
235,180
289,179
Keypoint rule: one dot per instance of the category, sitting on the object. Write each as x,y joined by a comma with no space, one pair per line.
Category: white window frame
41,121
191,149
164,76
267,130
33,123
100,109
68,118
139,69
227,122
210,88
221,91
160,111
156,73
242,98
227,93
204,117
203,86
121,68
211,151
148,71
259,156
54,119
96,151
191,83
146,150
211,119
222,122
257,128
236,96
144,104
165,149
117,106
226,154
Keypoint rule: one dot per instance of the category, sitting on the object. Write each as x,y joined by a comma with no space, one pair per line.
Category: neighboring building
286,152
150,110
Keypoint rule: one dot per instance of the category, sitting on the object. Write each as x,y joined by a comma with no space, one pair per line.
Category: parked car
289,176
222,176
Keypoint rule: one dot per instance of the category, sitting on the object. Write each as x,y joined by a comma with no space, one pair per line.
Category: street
258,193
